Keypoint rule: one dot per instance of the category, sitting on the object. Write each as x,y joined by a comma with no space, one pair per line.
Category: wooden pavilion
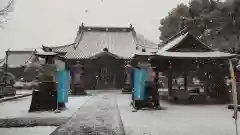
184,55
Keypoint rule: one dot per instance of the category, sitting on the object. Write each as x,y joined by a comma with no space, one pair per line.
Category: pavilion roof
182,45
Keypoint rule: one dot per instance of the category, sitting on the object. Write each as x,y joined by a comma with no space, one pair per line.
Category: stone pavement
98,116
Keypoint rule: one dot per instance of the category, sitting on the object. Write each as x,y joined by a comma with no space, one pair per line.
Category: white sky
54,22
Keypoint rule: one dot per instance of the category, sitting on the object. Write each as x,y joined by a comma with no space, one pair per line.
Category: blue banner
140,77
63,78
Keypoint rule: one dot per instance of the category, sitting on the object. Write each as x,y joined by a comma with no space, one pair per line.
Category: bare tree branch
4,12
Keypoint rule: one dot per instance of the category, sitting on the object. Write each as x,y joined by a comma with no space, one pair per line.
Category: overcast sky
54,22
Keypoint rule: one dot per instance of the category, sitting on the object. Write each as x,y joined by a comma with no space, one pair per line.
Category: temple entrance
105,78
109,72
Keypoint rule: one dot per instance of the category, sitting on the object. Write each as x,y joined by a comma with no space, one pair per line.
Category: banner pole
57,109
234,94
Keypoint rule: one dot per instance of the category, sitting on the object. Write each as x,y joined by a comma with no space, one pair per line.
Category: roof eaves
56,47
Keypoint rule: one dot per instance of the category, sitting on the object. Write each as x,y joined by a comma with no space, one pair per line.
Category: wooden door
105,78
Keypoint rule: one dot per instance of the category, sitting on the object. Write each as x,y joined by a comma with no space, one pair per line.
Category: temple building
103,52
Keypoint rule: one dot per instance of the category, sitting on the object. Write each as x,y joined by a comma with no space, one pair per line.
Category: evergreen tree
216,23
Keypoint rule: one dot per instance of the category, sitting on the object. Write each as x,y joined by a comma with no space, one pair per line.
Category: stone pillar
128,84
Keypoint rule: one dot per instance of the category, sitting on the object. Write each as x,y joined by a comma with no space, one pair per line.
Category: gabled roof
120,41
179,41
184,41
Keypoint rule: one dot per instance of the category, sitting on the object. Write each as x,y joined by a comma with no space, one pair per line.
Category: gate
105,78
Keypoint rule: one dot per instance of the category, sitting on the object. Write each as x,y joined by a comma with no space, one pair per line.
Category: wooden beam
185,81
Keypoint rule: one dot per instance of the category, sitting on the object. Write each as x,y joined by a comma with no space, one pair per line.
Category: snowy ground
172,120
18,108
176,119
27,131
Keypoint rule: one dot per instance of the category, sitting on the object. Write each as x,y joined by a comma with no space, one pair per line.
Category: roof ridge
134,34
78,38
183,31
104,27
21,51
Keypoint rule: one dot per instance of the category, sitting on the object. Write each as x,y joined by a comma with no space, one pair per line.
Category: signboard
63,78
140,77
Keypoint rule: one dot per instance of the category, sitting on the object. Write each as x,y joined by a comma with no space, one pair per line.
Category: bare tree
5,11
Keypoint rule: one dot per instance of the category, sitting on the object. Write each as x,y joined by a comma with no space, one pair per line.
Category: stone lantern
45,98
128,84
77,80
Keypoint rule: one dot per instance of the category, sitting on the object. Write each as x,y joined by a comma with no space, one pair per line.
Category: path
98,116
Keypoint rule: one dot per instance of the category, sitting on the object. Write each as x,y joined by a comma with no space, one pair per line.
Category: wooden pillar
170,91
185,81
156,77
170,83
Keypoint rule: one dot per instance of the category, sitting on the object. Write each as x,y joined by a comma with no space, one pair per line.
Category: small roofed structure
103,52
185,56
17,60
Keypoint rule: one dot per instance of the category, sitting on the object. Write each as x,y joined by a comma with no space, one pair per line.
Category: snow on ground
18,108
176,119
27,131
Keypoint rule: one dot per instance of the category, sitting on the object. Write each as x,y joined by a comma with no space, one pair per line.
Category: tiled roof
90,41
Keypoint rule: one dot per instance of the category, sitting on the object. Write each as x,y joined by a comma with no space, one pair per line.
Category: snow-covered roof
45,53
183,45
173,43
120,41
215,54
